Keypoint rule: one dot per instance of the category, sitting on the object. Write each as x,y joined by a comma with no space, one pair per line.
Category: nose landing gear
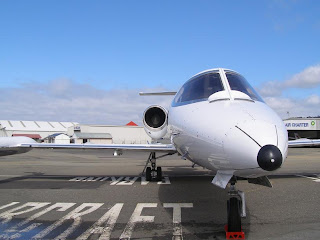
153,173
236,210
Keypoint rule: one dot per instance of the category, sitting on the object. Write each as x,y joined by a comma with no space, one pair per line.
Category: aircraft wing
16,145
141,147
304,142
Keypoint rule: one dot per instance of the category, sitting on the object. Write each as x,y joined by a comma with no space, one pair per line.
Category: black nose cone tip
269,158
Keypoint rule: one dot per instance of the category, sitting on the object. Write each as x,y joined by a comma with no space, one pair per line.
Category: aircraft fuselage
227,133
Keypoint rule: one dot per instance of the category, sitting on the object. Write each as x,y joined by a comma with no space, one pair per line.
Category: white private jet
217,121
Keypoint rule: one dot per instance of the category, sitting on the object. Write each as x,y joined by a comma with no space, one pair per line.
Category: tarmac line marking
136,217
127,181
8,215
94,179
109,219
29,228
312,178
77,179
98,178
90,179
165,181
8,205
144,181
75,215
101,229
115,180
104,179
61,208
120,181
176,217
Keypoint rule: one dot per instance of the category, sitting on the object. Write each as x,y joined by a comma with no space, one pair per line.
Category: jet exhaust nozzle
269,158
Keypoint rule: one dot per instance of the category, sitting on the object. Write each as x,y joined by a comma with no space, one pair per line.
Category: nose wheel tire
159,174
234,218
153,173
148,174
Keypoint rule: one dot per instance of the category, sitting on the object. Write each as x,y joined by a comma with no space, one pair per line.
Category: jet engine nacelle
155,121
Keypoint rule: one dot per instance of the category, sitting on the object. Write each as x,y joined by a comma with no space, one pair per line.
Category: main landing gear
154,173
236,207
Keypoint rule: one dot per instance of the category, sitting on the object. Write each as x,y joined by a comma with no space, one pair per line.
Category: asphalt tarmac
63,194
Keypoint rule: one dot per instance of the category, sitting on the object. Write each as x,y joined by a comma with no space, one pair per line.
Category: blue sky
134,45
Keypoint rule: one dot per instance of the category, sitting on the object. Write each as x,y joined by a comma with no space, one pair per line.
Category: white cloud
291,107
271,89
313,100
273,92
64,100
308,78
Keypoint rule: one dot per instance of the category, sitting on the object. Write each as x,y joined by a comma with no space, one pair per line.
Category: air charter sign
301,124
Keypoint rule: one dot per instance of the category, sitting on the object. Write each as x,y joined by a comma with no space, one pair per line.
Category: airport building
105,134
303,128
72,132
91,137
33,129
60,138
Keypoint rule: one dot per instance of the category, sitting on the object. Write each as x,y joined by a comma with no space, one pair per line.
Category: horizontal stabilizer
157,93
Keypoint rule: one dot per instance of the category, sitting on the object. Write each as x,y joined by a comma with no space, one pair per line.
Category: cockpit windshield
239,83
199,88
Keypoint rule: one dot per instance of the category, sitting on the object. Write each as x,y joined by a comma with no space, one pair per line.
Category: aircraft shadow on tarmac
207,218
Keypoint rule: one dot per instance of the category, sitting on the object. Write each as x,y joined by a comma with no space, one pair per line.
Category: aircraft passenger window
239,83
200,88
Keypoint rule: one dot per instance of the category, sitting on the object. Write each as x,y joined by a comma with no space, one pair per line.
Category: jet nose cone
269,158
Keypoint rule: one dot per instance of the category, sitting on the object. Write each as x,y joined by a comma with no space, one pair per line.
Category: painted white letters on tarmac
136,217
75,215
176,219
119,181
109,219
13,228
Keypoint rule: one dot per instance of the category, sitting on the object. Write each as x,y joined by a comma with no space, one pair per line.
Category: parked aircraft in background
10,145
216,120
304,142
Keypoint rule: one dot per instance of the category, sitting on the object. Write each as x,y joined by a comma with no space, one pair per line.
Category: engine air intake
155,121
155,117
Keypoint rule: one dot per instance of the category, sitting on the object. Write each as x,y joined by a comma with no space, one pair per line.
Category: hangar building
105,134
60,138
303,128
72,132
34,129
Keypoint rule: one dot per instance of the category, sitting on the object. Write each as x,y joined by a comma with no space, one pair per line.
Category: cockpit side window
199,88
239,83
